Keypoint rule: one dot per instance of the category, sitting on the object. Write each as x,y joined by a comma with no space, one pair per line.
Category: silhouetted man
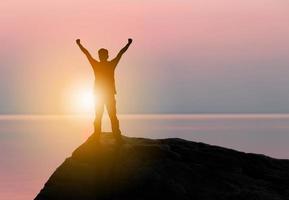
105,87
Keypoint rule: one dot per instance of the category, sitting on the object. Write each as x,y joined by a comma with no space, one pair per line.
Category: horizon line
148,116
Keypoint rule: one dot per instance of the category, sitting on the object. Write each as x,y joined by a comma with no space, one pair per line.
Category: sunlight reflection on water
33,146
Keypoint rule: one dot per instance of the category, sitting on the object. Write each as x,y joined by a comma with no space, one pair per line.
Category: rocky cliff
165,169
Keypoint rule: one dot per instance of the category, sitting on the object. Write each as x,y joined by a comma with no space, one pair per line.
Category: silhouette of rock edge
173,168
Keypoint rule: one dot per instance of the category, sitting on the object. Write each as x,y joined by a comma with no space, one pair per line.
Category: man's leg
111,109
99,108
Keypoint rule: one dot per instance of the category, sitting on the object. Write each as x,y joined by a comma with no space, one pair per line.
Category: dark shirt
104,76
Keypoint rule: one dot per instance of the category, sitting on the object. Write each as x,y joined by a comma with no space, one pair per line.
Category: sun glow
82,100
85,100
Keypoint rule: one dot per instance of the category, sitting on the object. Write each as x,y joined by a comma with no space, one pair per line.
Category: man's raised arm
122,51
85,51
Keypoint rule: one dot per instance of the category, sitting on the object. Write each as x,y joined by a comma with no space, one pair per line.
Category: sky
201,56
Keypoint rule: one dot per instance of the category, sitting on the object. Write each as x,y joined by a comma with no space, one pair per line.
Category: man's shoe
119,140
95,137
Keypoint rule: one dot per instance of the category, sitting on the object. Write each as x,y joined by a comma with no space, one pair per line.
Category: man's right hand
78,41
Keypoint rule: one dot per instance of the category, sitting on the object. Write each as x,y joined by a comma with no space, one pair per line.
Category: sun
82,100
85,100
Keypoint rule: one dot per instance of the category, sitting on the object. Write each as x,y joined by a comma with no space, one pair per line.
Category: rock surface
165,169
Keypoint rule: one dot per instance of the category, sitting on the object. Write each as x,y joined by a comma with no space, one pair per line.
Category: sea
33,146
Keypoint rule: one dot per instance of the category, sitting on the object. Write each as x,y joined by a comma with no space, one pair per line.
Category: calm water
31,147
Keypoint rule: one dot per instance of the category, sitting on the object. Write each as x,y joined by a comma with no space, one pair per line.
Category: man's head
103,54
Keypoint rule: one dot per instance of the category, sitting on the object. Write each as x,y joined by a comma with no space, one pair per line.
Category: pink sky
201,56
176,44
